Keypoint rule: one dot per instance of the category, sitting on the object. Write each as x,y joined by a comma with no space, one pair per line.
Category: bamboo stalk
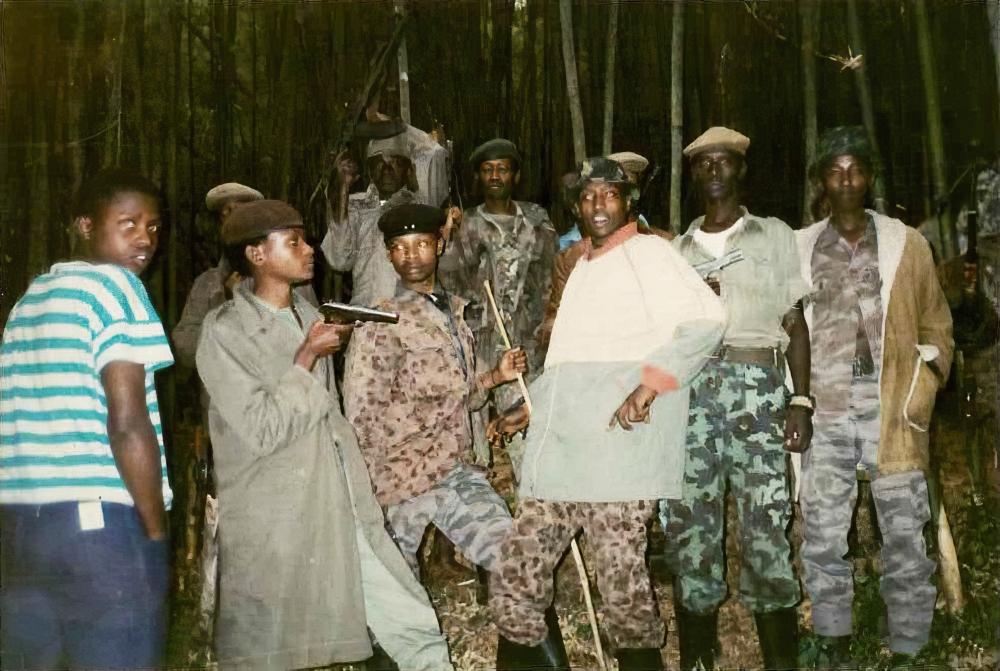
865,98
572,85
809,12
609,77
676,115
590,604
935,136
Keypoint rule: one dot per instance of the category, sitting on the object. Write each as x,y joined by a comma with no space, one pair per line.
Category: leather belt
765,357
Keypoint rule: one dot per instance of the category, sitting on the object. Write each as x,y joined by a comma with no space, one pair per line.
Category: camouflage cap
257,219
840,141
219,195
633,163
604,169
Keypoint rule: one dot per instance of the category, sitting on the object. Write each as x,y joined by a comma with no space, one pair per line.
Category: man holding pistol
739,430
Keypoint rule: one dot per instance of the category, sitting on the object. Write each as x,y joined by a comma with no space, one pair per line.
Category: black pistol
342,313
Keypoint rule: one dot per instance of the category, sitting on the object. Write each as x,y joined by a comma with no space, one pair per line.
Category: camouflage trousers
464,507
521,588
735,432
842,444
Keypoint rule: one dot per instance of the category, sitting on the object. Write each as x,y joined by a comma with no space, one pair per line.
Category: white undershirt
715,243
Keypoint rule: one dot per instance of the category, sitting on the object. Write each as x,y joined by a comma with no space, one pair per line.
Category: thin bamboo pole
865,98
809,12
935,136
572,85
609,77
676,115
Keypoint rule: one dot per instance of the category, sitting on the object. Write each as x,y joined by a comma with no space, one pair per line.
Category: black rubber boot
639,659
698,634
549,654
778,633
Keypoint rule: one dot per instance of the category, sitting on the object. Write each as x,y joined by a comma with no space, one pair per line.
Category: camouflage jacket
517,259
408,390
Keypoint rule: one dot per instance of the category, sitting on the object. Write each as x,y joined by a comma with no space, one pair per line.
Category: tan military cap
633,164
215,198
257,219
718,136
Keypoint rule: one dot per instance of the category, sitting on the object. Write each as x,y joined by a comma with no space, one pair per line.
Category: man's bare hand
347,169
507,424
454,221
634,409
323,340
512,362
798,429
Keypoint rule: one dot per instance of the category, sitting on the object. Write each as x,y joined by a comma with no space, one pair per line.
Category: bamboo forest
280,100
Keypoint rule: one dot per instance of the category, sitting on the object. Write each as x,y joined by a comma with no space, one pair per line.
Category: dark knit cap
495,150
411,218
258,218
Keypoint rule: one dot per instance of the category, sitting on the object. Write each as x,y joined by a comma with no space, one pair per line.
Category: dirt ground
966,641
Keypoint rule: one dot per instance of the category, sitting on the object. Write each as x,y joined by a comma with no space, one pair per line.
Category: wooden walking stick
573,545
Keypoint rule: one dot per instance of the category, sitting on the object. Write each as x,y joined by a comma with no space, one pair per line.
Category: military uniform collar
255,318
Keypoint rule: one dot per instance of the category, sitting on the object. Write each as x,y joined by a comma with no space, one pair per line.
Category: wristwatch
807,402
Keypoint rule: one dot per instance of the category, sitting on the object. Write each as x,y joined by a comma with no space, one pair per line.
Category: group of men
627,378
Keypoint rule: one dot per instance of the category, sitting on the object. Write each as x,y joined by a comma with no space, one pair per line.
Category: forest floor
967,641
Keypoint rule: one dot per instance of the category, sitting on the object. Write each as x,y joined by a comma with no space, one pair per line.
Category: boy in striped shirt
83,484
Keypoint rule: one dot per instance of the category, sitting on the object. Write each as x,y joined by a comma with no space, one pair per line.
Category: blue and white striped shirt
73,321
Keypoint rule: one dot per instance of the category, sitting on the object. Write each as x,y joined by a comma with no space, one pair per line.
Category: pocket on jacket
920,402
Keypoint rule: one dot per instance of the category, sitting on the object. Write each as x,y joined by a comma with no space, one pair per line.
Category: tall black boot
639,659
549,654
698,634
778,633
482,586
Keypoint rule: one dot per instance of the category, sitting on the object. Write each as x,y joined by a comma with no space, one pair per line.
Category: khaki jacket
917,342
292,488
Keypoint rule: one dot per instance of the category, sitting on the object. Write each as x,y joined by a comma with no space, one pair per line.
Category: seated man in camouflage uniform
408,389
513,245
635,325
738,422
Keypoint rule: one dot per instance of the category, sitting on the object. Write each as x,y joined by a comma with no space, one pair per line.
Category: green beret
258,218
495,150
411,218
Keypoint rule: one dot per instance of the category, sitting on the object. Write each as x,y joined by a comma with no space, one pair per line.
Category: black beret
258,218
493,151
411,218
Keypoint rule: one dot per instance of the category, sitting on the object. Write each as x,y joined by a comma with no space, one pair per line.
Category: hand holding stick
506,342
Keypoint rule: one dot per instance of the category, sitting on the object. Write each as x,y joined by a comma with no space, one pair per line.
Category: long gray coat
287,464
